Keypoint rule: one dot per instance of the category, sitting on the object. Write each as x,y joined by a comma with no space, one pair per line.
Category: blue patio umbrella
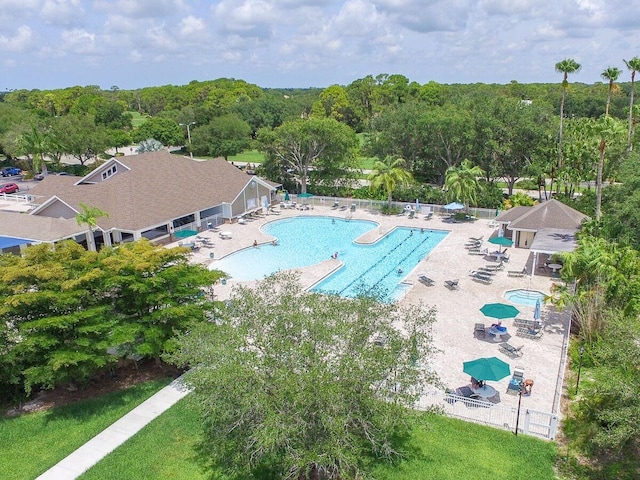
491,368
536,312
453,206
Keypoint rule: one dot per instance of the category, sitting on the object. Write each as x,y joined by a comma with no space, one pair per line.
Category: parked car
9,188
11,171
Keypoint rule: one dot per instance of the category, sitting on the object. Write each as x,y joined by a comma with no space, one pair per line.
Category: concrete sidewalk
115,435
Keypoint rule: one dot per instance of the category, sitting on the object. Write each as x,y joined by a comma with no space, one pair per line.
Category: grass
249,156
33,443
137,119
443,449
143,456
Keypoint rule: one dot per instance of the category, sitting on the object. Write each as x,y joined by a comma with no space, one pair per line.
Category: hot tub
522,296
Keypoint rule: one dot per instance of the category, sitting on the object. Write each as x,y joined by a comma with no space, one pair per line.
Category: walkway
115,435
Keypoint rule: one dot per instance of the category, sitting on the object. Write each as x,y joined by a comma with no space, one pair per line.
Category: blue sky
50,44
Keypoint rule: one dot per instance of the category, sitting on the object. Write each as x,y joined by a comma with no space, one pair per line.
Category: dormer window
111,171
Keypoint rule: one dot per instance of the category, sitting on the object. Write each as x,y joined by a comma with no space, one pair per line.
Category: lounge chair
486,271
531,324
529,333
517,273
426,280
428,216
517,379
343,208
477,239
412,214
335,205
493,224
452,284
481,278
353,207
511,351
479,330
495,268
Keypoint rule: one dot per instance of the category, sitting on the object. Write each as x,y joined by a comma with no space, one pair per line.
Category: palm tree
461,183
634,66
37,143
89,217
389,174
611,74
566,66
609,130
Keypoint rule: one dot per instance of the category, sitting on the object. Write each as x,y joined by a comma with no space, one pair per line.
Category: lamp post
521,387
188,125
579,368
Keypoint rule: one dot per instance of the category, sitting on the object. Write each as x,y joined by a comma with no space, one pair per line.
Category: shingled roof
39,229
153,187
549,214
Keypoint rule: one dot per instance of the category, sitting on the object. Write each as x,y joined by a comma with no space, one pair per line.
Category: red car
9,188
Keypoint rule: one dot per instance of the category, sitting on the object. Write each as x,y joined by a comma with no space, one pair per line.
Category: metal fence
532,422
485,213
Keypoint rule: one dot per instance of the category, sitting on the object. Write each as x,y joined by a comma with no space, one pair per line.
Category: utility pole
188,125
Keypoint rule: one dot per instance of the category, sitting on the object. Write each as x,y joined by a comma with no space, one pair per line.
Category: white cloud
192,27
20,42
140,8
78,41
251,18
62,12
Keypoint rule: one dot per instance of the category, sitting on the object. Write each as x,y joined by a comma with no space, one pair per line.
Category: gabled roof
549,214
38,228
152,188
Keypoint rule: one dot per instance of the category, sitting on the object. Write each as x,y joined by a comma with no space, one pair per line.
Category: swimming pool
524,297
308,240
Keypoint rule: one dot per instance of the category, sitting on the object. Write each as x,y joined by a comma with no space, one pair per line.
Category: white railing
532,422
16,197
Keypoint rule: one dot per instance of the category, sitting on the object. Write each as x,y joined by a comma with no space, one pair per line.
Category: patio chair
510,351
517,273
479,330
493,224
425,280
353,207
529,333
517,379
531,324
482,279
452,284
335,205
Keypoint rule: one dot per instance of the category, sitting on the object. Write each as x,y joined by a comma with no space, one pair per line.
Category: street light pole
188,125
579,368
519,402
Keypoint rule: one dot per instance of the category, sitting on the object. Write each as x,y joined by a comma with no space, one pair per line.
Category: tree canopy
292,384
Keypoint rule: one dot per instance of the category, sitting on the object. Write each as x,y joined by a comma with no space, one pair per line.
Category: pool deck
457,310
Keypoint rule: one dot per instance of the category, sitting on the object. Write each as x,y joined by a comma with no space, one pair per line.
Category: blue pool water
304,241
524,297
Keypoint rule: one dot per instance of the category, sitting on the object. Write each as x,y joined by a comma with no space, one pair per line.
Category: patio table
486,391
497,333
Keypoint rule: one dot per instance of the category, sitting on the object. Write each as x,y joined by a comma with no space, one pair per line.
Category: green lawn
443,449
249,156
137,119
33,443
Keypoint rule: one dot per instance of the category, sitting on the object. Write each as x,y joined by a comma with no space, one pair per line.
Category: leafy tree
89,217
222,137
566,66
79,136
610,132
388,175
292,384
64,307
36,144
634,66
461,183
300,146
165,130
119,139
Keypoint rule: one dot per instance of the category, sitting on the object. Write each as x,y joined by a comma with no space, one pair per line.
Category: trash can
223,281
211,255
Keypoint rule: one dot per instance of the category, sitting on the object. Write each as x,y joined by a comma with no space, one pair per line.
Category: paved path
108,440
